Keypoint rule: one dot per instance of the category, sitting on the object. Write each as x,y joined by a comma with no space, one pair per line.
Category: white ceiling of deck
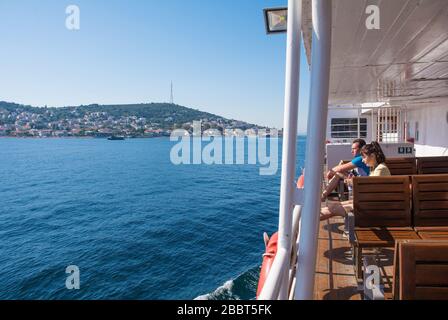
405,62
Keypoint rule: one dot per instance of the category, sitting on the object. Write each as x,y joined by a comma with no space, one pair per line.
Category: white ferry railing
271,288
280,279
297,215
315,153
277,282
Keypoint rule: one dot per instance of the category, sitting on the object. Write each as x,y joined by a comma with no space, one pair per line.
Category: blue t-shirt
363,170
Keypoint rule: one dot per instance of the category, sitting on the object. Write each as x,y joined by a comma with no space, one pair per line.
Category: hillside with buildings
136,120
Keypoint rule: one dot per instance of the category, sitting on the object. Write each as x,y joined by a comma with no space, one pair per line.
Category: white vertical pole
359,122
378,125
386,124
393,121
287,188
406,126
397,124
390,123
317,120
372,127
396,118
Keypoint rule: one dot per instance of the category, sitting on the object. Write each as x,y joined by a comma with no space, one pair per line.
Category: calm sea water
137,226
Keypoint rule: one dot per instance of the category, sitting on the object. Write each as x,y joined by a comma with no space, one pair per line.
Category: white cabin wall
372,123
433,129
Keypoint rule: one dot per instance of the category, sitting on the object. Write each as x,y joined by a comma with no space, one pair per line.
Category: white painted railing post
277,284
287,190
317,121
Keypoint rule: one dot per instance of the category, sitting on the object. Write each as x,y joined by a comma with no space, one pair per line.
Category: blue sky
216,53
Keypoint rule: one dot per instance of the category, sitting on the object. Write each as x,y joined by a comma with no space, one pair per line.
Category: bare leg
332,184
333,210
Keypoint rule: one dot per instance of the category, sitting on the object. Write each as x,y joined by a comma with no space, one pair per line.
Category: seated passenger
373,156
342,171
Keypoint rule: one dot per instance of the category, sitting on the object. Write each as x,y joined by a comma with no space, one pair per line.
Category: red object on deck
301,182
271,249
268,260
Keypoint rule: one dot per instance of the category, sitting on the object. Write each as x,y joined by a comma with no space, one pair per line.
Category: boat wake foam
243,287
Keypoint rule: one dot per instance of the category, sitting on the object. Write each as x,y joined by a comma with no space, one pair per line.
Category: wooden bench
402,166
406,166
430,205
397,166
418,165
421,270
434,234
381,214
432,165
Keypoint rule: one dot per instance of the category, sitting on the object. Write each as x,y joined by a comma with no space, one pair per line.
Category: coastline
71,138
99,138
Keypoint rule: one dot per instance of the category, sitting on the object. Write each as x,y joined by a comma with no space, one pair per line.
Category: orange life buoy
271,248
301,182
268,259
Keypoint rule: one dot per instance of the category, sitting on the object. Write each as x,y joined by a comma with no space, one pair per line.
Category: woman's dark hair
375,148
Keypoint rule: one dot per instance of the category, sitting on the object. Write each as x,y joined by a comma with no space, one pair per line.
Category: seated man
341,171
372,156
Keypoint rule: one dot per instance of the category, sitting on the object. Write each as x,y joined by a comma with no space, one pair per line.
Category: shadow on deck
335,274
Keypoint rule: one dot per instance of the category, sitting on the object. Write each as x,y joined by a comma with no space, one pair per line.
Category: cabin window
348,128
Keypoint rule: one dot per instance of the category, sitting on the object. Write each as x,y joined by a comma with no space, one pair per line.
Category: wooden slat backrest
402,166
430,200
382,201
432,165
421,272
